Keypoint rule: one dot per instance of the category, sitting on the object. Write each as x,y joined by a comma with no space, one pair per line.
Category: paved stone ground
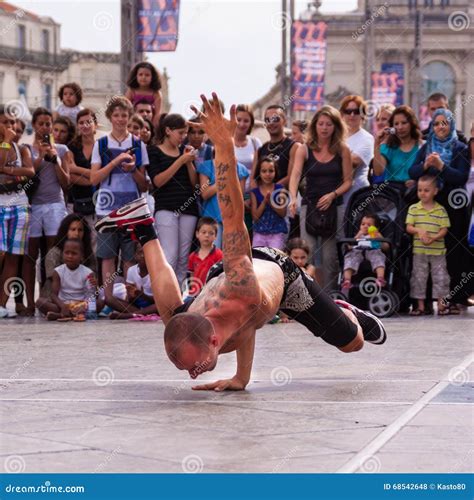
102,396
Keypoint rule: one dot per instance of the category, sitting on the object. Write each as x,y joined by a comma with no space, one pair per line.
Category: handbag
84,206
321,222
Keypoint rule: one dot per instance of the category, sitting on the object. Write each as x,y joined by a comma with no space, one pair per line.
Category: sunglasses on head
272,119
355,111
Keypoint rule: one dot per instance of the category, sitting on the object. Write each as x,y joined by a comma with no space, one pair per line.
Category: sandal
79,317
444,312
416,312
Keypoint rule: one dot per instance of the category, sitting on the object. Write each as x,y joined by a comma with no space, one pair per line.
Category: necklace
119,141
277,145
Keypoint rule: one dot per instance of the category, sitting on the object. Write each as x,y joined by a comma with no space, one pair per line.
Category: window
438,76
22,85
45,41
47,95
87,78
21,37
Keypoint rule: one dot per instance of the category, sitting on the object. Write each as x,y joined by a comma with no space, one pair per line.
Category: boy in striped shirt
428,222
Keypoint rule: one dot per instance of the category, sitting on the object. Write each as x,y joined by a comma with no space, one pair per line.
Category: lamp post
416,85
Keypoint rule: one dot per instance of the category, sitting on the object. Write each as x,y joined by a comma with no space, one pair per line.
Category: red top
199,268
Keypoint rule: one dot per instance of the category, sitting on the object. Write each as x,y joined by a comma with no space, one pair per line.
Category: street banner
157,26
400,70
384,87
308,64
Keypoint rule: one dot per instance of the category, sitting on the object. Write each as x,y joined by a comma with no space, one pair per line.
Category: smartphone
131,151
47,139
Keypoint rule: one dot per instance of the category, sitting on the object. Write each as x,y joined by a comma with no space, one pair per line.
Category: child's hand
267,198
7,134
92,280
425,238
128,166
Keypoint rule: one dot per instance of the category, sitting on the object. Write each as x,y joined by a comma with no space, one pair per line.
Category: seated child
139,300
72,285
206,256
372,251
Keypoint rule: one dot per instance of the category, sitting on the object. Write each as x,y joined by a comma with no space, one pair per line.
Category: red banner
157,25
308,64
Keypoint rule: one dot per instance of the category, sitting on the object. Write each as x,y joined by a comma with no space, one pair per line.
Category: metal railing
20,56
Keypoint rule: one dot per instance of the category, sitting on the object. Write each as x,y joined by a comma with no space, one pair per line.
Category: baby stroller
385,202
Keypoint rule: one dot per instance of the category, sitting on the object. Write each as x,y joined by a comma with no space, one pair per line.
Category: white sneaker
5,313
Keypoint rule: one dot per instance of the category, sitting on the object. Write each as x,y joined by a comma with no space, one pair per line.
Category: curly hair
415,132
61,236
75,87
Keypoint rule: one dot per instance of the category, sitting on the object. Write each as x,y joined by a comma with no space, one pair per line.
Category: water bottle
91,301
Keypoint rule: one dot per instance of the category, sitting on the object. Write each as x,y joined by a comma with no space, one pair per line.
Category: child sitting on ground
73,284
140,300
206,256
372,251
428,222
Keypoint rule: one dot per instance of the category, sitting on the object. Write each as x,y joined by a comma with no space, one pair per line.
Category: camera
391,130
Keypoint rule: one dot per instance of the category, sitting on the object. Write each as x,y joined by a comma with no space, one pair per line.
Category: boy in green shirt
428,222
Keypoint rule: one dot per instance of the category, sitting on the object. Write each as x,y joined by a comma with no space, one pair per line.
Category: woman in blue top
395,157
447,158
269,202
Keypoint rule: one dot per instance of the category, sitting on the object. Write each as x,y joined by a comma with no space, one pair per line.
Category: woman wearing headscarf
447,158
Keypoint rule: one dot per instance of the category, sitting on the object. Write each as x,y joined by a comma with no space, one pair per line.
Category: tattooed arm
236,243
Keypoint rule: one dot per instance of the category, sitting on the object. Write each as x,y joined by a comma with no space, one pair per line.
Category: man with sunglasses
242,292
281,148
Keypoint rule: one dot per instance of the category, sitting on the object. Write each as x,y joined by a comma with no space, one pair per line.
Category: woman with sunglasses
395,153
354,110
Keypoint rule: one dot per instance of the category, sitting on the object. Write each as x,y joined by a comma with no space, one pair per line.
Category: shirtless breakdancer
244,291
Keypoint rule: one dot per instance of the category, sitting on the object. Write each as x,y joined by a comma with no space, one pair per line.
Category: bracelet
5,145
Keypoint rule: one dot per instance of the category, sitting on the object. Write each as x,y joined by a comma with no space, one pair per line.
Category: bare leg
29,273
358,342
10,270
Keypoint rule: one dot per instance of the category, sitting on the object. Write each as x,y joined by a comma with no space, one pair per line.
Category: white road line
181,381
379,441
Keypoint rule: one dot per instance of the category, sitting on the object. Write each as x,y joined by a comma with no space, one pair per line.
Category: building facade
33,66
388,29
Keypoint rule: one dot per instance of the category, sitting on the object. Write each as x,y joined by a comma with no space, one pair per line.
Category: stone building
447,58
33,66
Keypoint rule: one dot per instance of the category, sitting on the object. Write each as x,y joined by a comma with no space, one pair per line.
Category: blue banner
308,64
238,486
157,25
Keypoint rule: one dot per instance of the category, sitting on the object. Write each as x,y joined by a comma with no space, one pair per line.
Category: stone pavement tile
294,391
13,444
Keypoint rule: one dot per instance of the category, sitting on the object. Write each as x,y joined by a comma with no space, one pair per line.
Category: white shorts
46,219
